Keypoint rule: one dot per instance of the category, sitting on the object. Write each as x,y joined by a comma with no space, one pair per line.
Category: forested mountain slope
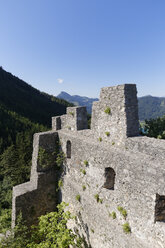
151,107
24,111
27,101
16,137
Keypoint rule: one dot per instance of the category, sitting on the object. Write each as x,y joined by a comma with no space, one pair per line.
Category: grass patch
84,187
126,228
60,183
107,133
113,215
107,110
86,162
83,171
78,198
71,113
122,211
96,197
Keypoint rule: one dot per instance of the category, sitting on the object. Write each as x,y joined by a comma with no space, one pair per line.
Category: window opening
68,149
109,178
160,208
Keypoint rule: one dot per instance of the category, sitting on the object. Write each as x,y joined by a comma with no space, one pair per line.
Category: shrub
100,139
107,133
5,220
18,237
113,215
96,197
60,159
71,113
86,162
78,198
45,159
51,231
113,143
122,211
126,227
83,171
84,187
60,183
107,110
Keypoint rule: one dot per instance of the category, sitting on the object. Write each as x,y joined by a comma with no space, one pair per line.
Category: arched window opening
68,149
109,178
160,208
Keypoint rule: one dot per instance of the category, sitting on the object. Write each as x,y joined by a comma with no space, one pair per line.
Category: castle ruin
118,175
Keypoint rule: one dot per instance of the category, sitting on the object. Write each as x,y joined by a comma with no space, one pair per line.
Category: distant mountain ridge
78,100
149,106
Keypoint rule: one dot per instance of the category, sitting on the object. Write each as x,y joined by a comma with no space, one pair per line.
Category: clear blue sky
79,46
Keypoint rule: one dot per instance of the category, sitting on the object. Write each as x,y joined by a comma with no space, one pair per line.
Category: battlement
114,116
75,119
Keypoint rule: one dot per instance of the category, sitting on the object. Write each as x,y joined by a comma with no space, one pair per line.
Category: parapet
115,115
38,196
75,119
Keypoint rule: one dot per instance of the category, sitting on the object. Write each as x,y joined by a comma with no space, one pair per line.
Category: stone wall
107,182
139,177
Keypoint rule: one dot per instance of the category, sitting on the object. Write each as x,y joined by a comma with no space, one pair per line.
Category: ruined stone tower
118,174
116,112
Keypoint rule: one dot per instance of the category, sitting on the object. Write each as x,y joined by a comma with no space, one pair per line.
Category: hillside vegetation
154,128
16,136
151,107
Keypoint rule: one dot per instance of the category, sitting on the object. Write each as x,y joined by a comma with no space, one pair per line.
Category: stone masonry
118,175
